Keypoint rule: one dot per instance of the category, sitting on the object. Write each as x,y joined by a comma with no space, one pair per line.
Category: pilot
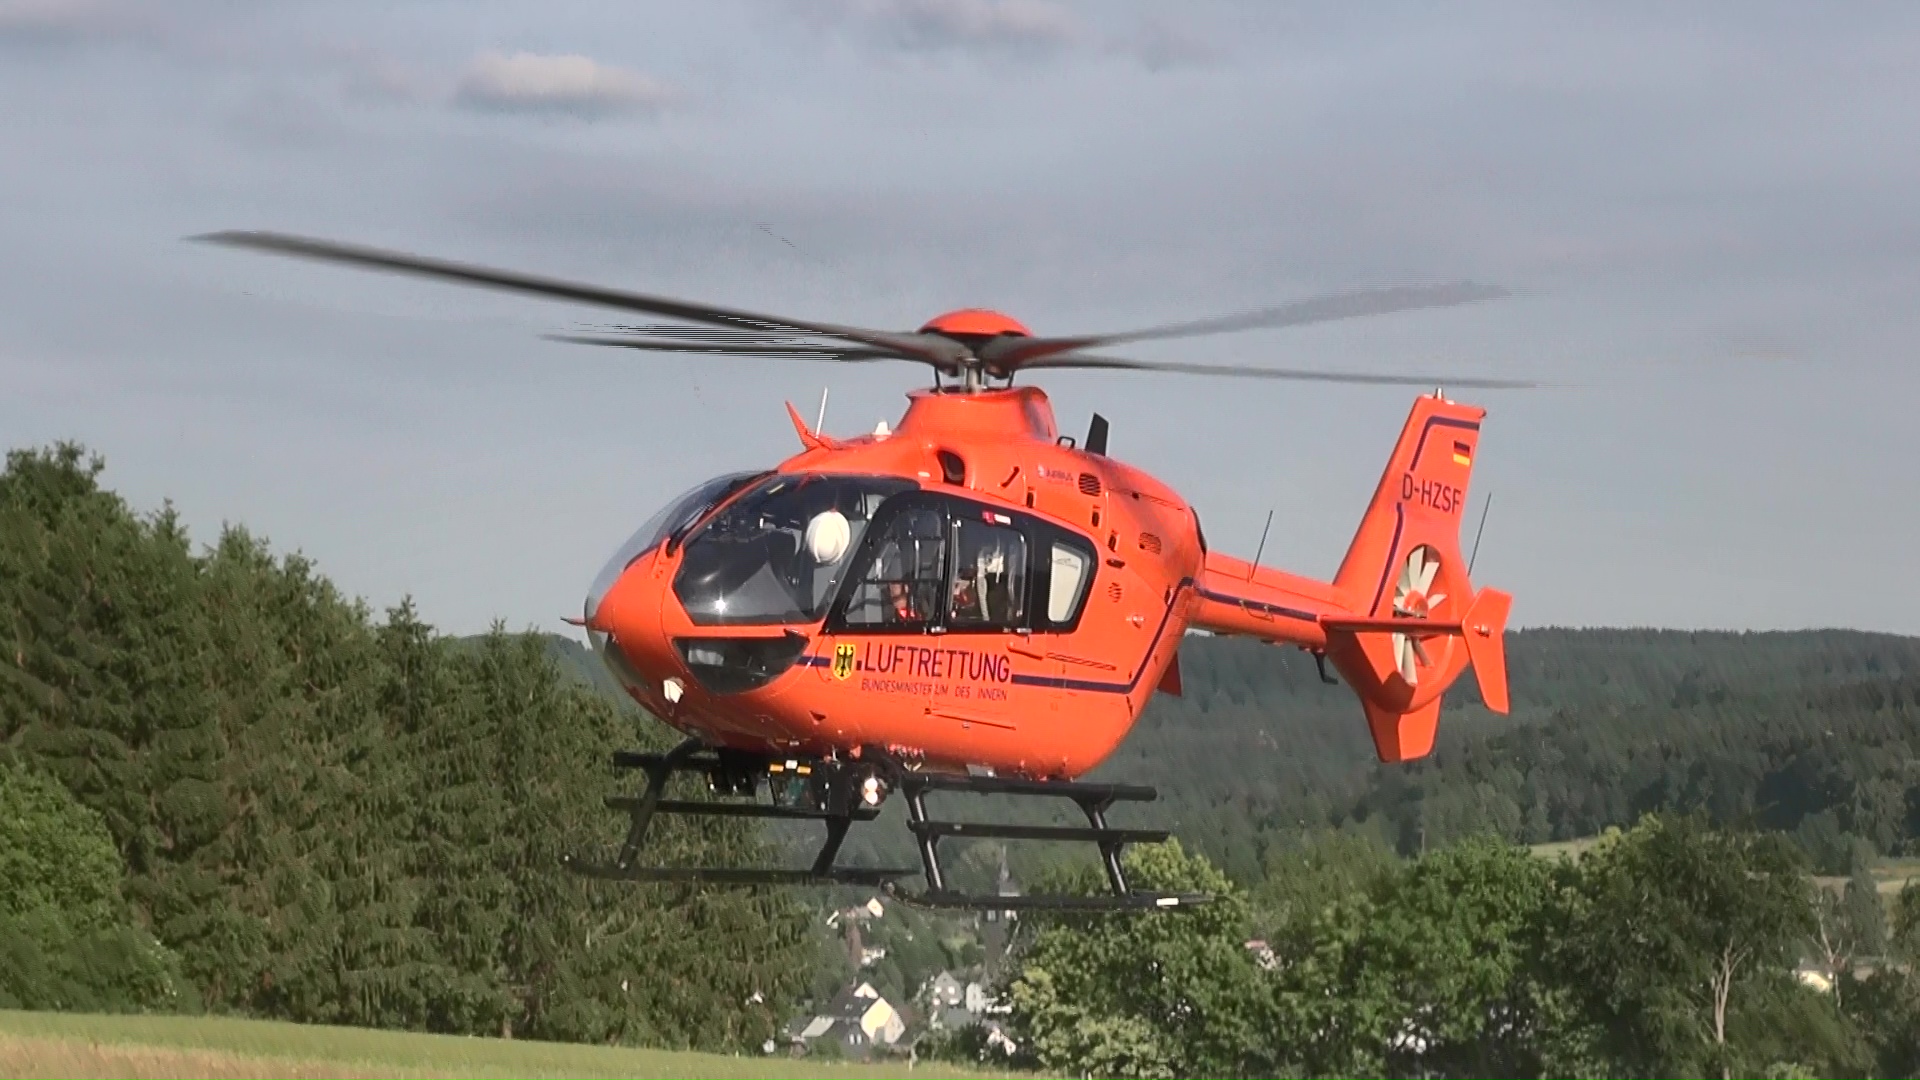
900,603
913,554
891,567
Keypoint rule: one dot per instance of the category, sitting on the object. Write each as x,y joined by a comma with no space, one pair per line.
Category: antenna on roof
821,423
1484,507
1257,552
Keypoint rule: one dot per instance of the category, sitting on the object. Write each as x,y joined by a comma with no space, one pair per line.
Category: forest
279,804
1810,732
227,787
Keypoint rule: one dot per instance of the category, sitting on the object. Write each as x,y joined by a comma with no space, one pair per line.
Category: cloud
1159,46
382,79
568,85
68,21
970,25
1029,28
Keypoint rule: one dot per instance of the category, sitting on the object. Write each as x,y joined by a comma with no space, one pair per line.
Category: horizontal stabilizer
1414,628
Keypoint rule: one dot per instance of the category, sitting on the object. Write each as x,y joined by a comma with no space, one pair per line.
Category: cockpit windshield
778,554
677,516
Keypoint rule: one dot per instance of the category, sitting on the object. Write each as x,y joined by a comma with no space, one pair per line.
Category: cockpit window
678,515
777,555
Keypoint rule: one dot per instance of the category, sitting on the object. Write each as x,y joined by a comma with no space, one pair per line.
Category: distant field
75,1045
1571,849
1889,877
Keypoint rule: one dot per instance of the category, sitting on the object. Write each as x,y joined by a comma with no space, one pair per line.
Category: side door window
903,585
988,587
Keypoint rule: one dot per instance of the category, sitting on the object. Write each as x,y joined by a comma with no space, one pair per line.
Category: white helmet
828,536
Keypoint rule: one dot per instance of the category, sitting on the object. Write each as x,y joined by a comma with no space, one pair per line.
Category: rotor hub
975,323
973,329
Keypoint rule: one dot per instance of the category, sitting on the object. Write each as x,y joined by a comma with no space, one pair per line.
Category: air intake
1150,542
1089,484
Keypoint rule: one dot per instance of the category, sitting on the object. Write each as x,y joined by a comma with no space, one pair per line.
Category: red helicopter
971,601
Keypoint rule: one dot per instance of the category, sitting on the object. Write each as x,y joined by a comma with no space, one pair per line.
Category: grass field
74,1045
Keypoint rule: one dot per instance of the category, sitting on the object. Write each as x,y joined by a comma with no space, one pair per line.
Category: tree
1454,946
1434,970
1846,925
1671,927
1886,1004
1173,994
1307,872
1903,938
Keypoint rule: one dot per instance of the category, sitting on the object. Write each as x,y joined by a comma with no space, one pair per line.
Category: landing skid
843,793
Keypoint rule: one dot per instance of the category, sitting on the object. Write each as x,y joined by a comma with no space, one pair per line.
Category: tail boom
1236,597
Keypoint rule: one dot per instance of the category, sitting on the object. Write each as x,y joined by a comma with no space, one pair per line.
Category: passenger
966,599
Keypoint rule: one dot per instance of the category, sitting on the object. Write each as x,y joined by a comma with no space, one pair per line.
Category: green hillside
1777,727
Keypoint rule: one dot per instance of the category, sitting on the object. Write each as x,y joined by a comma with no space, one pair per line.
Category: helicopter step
840,793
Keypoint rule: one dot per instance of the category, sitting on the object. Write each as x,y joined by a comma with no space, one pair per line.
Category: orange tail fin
1416,621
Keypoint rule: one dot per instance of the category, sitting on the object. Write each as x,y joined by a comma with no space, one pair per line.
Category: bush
67,940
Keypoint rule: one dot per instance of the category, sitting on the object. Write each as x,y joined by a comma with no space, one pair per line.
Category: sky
1707,219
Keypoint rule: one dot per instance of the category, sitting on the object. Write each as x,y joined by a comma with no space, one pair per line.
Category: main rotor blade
929,349
1115,363
721,348
1012,353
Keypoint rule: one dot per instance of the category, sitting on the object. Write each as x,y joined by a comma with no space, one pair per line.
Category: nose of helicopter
623,624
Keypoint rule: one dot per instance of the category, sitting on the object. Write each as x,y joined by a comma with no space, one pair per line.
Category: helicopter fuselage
969,589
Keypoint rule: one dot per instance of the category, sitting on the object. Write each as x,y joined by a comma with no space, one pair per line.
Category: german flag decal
1462,454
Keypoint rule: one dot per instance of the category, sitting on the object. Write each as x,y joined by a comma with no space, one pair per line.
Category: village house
859,1019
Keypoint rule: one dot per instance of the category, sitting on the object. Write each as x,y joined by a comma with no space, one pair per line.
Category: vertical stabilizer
1418,621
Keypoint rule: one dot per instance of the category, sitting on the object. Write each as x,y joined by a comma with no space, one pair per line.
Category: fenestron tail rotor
713,330
1413,600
